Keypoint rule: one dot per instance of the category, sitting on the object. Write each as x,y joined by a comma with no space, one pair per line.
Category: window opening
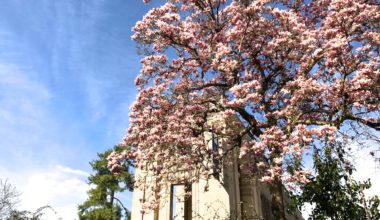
215,155
180,202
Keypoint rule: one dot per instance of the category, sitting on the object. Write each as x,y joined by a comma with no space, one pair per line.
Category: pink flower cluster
284,76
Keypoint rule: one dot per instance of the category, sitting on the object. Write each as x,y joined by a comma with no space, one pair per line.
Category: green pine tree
102,203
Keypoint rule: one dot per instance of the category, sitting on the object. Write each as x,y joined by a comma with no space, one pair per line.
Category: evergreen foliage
333,191
102,204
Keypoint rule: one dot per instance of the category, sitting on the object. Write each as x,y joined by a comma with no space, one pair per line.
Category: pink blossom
279,79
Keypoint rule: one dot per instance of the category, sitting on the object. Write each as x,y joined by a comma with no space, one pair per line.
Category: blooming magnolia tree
291,71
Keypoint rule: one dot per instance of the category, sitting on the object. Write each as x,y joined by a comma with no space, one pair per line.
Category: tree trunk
112,198
156,214
364,203
278,205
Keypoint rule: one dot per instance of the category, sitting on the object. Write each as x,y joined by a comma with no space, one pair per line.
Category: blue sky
66,83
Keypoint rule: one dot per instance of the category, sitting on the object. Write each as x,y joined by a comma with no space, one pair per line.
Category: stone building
232,195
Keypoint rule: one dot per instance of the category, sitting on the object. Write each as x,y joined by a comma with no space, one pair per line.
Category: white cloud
366,167
31,141
72,171
307,210
61,187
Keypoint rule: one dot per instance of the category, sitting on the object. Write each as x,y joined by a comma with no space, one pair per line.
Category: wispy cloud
31,142
71,171
59,186
23,111
366,166
21,95
97,97
66,83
